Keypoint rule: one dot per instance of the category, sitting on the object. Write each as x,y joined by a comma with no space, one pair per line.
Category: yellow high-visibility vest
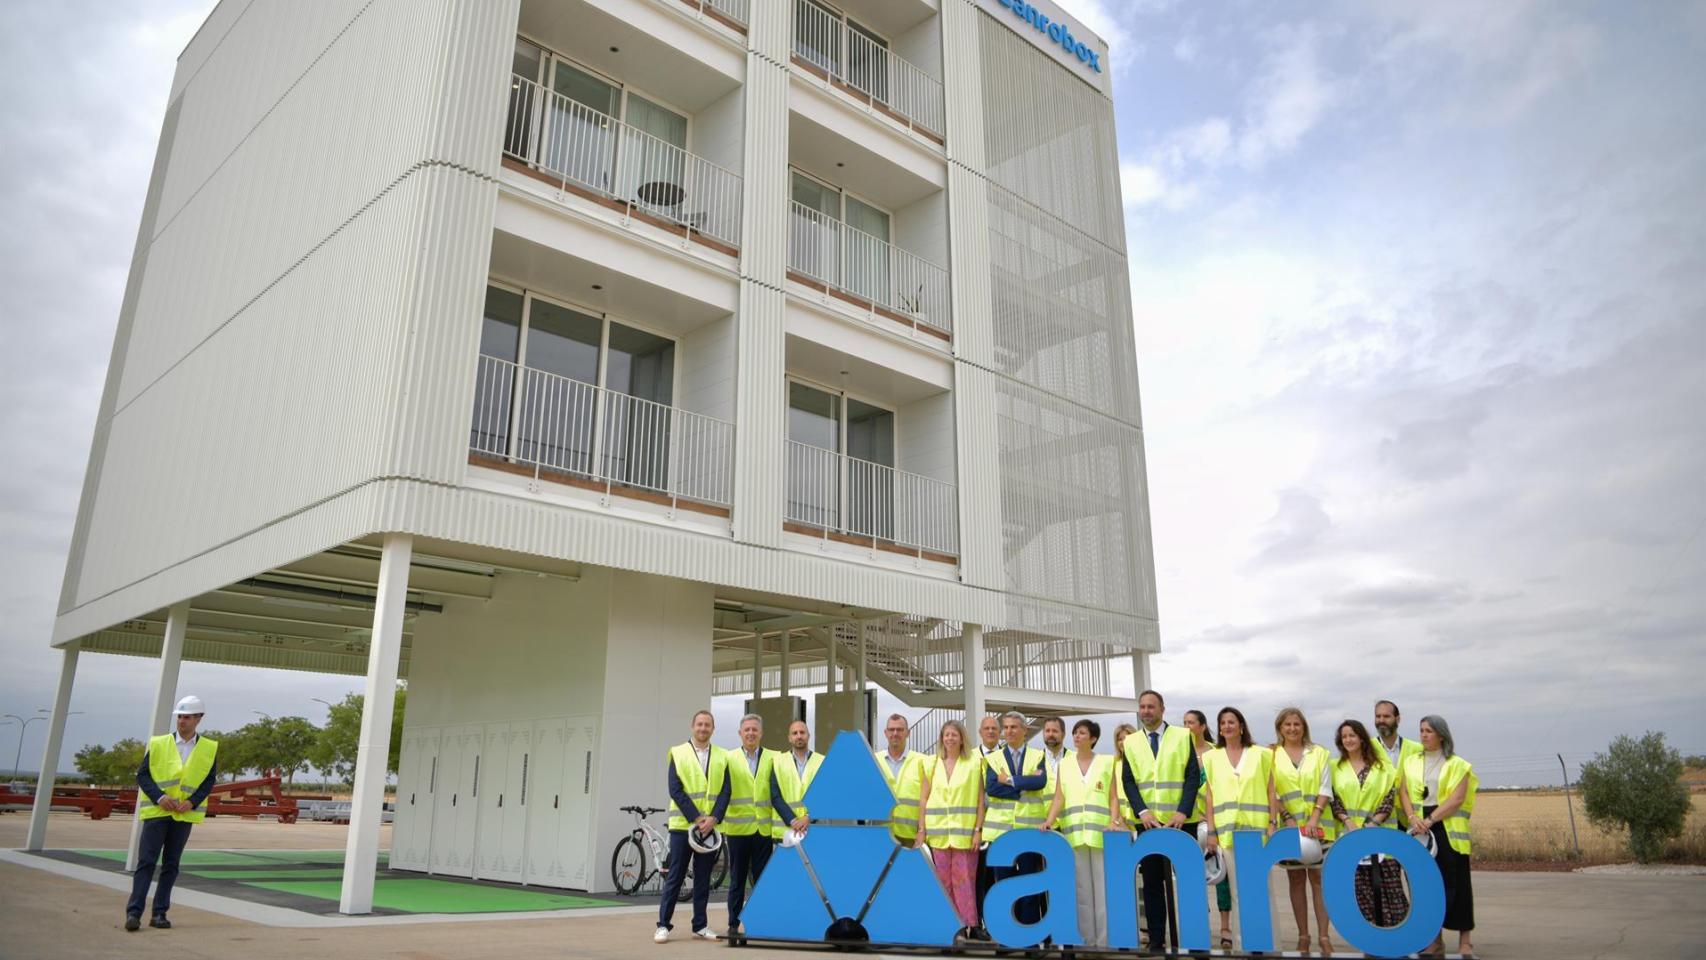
1240,802
793,786
176,778
904,817
1084,798
1360,800
1298,785
950,813
1407,748
749,794
1160,775
1001,814
1451,773
703,784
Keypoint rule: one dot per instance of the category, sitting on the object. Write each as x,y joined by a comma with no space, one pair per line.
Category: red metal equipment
234,799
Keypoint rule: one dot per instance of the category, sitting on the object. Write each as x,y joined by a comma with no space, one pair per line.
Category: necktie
1155,742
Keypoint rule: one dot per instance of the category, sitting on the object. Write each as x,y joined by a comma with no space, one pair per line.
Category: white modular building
578,361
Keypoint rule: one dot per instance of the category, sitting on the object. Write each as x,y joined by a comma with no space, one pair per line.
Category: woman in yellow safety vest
1084,793
1301,777
1240,786
1202,741
1362,779
950,820
1437,789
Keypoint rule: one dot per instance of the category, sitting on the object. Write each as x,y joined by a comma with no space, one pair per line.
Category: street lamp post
23,725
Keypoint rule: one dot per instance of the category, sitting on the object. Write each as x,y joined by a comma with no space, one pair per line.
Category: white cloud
1287,100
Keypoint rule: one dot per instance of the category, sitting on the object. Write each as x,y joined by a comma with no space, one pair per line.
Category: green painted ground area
426,895
312,873
196,858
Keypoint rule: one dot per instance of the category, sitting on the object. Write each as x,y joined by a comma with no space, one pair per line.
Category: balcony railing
846,495
849,57
877,273
737,10
585,151
559,425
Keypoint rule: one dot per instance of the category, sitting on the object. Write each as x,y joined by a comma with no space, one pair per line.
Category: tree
336,749
111,766
1636,785
292,740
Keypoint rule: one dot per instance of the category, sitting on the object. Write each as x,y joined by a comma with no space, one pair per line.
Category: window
819,246
839,461
537,396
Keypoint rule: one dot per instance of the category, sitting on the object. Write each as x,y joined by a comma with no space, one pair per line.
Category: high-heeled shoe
1326,946
1303,944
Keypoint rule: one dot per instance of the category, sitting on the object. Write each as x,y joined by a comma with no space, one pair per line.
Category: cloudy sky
1420,296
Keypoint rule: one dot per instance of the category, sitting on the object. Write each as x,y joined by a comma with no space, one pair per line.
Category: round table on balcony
661,193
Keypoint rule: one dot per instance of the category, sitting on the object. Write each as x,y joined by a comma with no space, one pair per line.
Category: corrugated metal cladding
315,265
1048,136
134,644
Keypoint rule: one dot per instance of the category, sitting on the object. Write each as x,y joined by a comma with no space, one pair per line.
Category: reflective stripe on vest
950,815
1005,814
1298,786
903,817
1362,800
702,785
1161,776
1240,802
1451,773
793,787
1084,798
176,778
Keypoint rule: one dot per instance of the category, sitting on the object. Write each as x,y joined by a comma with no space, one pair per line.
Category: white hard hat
188,705
1429,842
792,838
1214,866
1203,833
1311,851
704,842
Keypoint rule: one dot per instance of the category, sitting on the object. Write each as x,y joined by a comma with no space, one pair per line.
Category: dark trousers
1156,872
1026,910
1454,871
680,855
747,857
985,877
163,839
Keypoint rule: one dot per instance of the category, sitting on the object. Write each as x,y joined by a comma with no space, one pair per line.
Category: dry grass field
1533,826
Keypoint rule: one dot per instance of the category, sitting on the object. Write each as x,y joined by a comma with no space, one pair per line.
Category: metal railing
736,10
827,250
842,494
561,425
576,145
849,56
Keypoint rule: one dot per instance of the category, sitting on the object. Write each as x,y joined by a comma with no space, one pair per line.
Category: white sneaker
706,934
662,936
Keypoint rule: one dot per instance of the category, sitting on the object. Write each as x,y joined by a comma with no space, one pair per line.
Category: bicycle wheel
628,866
720,869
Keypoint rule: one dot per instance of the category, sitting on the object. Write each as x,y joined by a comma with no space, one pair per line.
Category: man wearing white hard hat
176,774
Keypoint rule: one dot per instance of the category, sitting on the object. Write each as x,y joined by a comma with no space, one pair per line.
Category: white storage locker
503,819
456,801
544,804
574,820
417,769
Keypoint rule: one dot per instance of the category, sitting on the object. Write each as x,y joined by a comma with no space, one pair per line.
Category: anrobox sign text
1057,32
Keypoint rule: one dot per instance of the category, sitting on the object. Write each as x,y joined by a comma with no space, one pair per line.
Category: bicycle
630,869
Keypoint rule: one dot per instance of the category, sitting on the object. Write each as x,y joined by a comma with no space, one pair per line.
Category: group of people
956,799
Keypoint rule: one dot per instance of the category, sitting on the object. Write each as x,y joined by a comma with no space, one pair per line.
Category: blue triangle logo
849,786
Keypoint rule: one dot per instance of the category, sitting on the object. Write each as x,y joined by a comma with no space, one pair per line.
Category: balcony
856,501
559,429
583,152
855,63
732,13
857,268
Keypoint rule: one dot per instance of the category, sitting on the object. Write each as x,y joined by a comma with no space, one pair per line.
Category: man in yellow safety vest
1161,778
903,769
747,828
1017,784
697,774
175,777
791,775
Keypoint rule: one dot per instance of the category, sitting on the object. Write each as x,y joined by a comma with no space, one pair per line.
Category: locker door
488,860
442,851
512,802
463,808
544,801
411,836
574,824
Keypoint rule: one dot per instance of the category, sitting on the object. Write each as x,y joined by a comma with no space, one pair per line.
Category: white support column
1139,672
757,665
971,654
829,646
384,650
165,697
859,672
787,663
50,752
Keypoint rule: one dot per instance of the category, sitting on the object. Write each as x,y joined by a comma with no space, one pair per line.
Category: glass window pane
522,118
659,121
578,142
563,342
500,331
558,397
863,216
584,88
653,159
814,417
870,433
494,378
641,364
809,193
637,415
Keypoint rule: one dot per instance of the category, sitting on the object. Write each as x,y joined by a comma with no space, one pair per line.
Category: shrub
1636,785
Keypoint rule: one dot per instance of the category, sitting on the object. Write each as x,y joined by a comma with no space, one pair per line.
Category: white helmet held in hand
1311,851
704,842
1203,834
1428,841
1214,866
